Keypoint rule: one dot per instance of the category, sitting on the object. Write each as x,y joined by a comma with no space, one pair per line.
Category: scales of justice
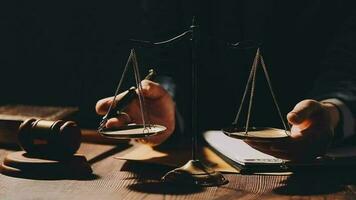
194,172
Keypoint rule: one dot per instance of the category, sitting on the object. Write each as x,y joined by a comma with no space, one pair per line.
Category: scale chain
254,68
252,77
274,96
112,105
139,87
245,92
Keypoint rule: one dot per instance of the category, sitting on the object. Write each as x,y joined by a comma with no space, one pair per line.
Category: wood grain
117,179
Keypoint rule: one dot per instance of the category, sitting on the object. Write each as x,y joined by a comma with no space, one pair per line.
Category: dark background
67,53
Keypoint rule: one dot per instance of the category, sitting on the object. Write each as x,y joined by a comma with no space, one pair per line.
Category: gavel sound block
50,148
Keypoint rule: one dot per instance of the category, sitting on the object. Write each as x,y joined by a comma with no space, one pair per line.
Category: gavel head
49,138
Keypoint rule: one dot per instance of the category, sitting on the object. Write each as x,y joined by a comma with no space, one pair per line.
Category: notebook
247,159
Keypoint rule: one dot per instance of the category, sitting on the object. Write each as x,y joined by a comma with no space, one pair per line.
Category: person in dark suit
303,42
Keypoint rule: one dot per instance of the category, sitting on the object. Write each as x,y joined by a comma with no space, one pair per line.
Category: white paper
237,150
243,154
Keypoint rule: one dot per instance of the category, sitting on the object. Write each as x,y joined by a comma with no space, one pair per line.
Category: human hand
312,130
159,105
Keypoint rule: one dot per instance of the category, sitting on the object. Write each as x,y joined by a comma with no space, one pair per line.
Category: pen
124,102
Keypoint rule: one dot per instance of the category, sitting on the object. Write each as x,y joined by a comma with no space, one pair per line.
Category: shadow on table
158,187
317,182
148,178
56,177
146,171
109,153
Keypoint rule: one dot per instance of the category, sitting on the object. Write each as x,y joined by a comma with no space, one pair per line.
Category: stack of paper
241,155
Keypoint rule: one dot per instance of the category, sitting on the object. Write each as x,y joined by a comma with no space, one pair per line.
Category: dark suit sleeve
338,79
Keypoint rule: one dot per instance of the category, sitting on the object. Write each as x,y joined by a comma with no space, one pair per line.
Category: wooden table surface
117,179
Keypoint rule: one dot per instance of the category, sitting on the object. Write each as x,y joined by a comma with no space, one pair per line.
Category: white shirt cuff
348,125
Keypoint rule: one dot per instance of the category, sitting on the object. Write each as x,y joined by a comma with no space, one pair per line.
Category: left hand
160,107
312,130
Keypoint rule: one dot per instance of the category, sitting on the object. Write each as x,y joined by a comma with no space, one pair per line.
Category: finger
103,105
119,121
302,111
152,89
296,132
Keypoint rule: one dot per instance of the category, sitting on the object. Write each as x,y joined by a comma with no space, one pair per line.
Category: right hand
159,105
313,125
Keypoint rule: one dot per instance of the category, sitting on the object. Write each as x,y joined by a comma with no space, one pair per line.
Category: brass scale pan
132,131
256,133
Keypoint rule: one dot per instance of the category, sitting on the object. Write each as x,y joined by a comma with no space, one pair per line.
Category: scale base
195,173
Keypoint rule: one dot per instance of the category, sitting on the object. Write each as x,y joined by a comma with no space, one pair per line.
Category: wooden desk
117,179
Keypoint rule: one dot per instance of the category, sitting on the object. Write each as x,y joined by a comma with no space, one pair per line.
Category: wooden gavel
47,138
